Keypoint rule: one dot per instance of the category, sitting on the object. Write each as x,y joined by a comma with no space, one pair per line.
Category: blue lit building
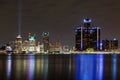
87,36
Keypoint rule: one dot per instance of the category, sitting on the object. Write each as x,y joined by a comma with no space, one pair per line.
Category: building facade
109,44
45,36
87,36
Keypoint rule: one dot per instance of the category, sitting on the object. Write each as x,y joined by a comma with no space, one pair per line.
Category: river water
60,67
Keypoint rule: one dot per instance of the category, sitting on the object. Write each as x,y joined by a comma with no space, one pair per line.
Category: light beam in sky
19,16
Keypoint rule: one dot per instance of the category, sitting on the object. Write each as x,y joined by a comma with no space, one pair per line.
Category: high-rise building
32,43
18,39
32,39
45,36
106,44
114,44
110,44
87,36
18,44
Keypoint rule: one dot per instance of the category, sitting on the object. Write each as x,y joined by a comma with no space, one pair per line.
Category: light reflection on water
85,67
114,66
45,69
9,66
60,67
99,66
31,67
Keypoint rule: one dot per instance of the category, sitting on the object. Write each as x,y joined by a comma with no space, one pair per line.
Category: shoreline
38,54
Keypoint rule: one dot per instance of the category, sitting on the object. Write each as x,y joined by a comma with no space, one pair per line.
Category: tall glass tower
87,36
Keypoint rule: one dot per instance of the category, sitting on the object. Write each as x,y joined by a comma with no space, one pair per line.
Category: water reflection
114,66
31,67
39,64
45,68
85,67
17,67
89,67
99,66
60,67
9,67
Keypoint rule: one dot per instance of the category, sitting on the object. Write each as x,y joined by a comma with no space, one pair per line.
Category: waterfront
60,67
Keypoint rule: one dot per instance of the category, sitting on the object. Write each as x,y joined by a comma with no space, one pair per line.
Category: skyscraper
106,44
110,44
87,36
18,44
45,36
114,44
32,39
18,39
32,43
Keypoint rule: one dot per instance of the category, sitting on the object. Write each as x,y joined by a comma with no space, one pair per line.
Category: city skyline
60,18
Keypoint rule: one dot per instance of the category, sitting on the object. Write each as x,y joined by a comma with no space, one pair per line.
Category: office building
114,44
110,44
106,45
32,39
87,36
19,39
45,36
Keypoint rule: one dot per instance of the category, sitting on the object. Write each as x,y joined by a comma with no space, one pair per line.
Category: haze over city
58,17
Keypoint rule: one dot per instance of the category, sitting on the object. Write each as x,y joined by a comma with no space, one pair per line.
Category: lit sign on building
87,20
32,38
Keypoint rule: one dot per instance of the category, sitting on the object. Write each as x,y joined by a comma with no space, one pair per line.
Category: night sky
59,17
